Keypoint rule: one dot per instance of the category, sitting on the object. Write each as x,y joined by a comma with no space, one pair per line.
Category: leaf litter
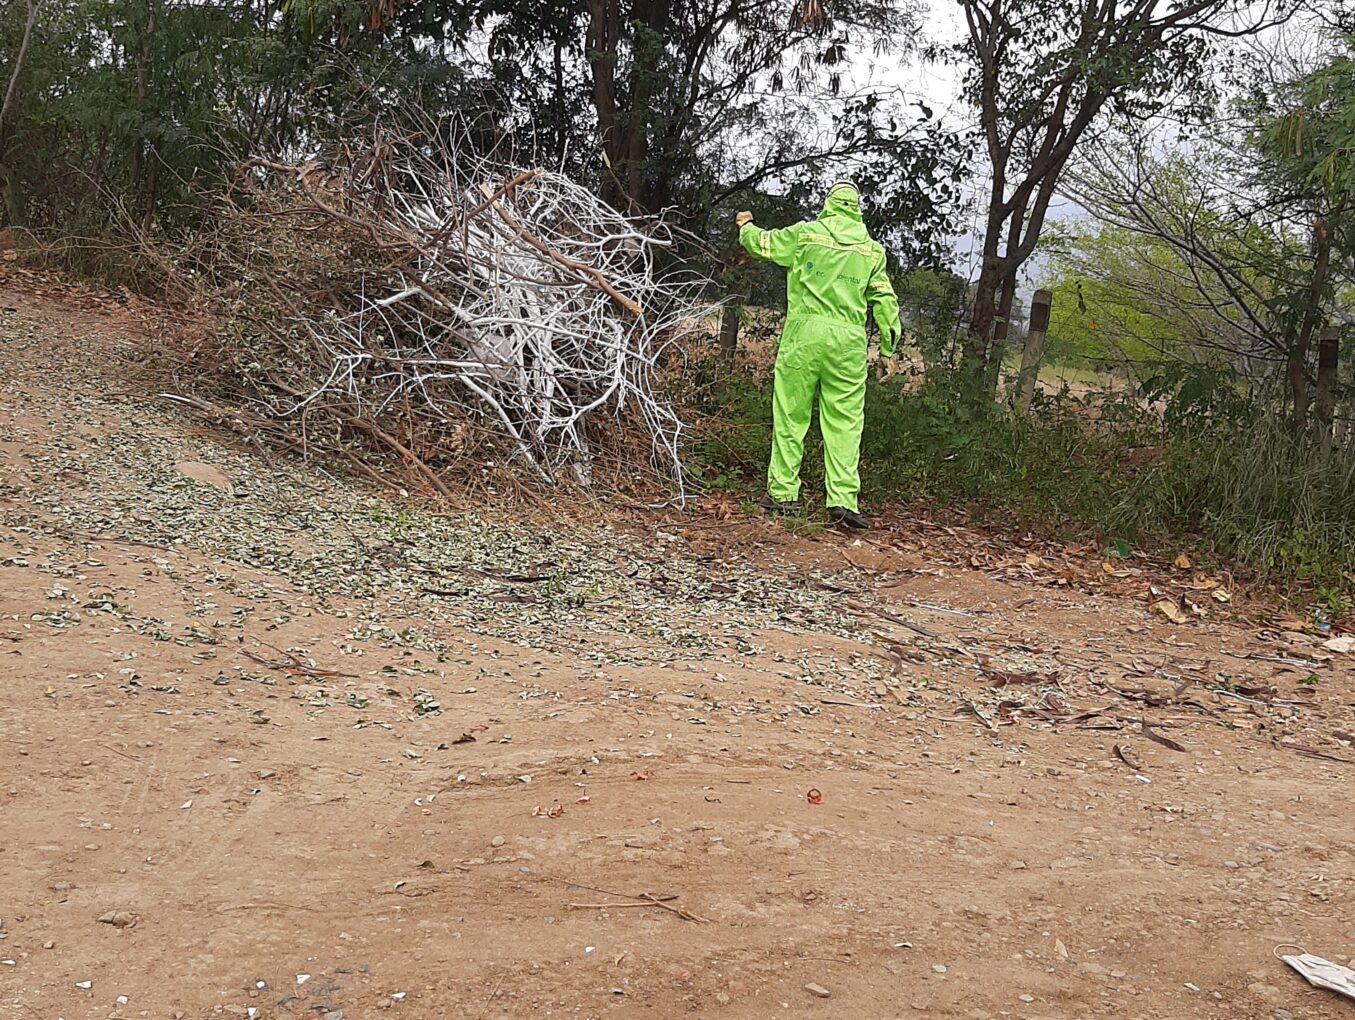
291,540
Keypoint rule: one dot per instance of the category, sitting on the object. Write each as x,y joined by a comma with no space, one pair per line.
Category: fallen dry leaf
1000,678
1122,753
1160,738
1169,609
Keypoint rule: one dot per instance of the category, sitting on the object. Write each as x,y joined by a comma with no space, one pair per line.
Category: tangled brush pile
430,302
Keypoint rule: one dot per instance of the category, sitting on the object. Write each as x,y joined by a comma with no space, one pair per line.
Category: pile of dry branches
438,309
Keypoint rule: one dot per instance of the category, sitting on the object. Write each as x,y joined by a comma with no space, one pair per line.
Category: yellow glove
743,218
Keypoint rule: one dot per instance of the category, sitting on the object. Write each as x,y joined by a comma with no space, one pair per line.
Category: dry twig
441,296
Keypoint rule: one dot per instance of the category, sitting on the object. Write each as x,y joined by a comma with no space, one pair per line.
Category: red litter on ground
814,797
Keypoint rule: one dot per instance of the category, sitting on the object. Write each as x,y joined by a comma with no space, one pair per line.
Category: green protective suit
834,273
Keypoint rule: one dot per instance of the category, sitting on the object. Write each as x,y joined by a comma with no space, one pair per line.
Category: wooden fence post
1034,349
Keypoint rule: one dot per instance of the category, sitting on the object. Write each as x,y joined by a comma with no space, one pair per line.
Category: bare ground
274,747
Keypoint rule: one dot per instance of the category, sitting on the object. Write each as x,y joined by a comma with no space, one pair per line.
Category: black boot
775,506
849,520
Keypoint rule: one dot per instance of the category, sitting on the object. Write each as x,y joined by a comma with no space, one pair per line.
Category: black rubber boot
849,520
775,506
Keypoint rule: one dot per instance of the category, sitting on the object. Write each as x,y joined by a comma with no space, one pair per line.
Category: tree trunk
646,38
730,317
1008,290
973,367
985,342
142,152
1328,358
1002,323
604,18
623,107
1298,353
152,192
993,303
11,194
1296,369
1001,326
11,203
11,90
561,107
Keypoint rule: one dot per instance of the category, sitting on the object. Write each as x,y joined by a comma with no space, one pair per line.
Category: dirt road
275,746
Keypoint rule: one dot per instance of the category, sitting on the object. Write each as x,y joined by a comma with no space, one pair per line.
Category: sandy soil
243,778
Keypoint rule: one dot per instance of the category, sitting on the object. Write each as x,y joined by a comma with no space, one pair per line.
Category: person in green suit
834,274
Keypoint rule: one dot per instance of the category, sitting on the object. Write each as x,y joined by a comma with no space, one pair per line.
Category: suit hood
841,215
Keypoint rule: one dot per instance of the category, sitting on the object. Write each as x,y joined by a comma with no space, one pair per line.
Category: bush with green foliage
1213,469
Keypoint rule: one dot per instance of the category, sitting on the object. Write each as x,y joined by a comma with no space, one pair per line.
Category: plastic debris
814,797
1322,973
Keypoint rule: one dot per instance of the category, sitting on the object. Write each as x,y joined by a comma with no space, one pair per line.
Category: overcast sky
938,86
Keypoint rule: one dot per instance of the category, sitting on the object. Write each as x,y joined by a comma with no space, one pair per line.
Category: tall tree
1307,137
143,107
699,103
1039,74
1249,232
7,105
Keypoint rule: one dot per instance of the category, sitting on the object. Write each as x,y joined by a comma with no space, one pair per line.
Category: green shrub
1213,471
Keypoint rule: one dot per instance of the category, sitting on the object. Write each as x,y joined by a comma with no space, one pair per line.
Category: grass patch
1235,485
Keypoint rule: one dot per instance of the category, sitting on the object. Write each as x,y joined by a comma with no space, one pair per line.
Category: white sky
939,87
